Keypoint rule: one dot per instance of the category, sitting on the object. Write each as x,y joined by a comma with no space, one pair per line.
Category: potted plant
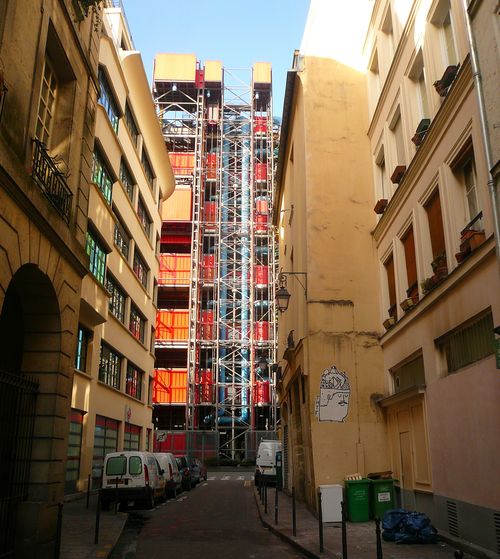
389,322
406,304
412,292
428,284
440,266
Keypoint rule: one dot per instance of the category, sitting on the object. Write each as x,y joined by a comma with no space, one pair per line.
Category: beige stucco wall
330,185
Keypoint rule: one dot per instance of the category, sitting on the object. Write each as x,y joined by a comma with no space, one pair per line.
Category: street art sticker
332,404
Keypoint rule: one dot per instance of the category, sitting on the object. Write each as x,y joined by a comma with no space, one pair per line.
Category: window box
412,292
380,206
389,322
471,238
398,174
407,304
421,131
428,284
443,85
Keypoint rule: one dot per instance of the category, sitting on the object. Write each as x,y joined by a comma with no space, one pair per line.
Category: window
152,340
82,346
410,374
131,125
417,75
411,264
105,441
116,299
388,31
122,238
443,21
148,440
110,367
383,190
127,180
469,180
97,254
148,170
374,81
397,130
133,384
143,216
74,451
435,219
131,439
140,269
391,285
107,100
137,324
468,343
47,104
102,176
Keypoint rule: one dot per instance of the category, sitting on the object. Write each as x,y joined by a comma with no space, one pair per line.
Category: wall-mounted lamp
282,295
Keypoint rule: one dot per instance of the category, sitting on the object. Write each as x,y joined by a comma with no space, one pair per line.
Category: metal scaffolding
224,130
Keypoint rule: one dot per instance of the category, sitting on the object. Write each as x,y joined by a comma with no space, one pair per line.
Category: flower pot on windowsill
461,256
477,239
412,292
429,284
389,322
407,304
380,206
440,266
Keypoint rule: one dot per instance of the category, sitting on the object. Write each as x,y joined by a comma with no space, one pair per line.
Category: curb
282,536
467,547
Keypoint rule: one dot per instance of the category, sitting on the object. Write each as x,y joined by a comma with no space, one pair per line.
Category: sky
236,32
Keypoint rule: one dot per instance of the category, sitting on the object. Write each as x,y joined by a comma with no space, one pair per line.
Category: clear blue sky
237,32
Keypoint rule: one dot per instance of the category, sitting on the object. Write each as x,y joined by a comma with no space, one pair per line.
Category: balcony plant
428,284
440,266
389,322
406,304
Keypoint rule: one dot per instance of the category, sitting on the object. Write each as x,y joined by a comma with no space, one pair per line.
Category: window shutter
391,284
433,209
411,265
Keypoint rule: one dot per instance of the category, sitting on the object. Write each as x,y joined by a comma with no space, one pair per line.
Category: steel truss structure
225,128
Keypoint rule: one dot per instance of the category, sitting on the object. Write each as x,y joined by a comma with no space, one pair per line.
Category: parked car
168,463
198,471
185,471
265,468
131,476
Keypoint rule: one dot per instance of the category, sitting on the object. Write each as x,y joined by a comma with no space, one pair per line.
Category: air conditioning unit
398,174
421,131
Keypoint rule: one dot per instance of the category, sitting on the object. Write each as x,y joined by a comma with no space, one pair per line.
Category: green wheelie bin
382,497
358,499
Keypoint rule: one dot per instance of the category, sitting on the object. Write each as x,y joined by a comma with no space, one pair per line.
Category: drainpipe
484,127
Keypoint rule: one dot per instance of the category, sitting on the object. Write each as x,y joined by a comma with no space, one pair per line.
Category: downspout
484,127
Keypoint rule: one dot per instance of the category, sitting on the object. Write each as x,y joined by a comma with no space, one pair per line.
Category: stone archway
30,407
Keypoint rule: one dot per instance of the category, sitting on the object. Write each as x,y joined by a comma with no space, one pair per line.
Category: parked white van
132,476
172,477
265,464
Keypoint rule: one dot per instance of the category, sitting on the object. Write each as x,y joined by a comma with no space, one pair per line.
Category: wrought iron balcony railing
50,180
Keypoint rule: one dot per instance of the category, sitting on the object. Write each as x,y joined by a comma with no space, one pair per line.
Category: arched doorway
30,330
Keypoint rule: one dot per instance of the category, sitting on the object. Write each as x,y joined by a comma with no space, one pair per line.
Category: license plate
115,481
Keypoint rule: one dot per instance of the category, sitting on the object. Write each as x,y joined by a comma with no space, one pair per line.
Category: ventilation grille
451,509
496,521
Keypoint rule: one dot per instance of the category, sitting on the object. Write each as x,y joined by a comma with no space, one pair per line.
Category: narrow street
217,518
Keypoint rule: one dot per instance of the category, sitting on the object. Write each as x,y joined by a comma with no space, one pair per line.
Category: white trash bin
331,499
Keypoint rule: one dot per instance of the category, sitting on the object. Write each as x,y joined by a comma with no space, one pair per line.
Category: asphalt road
217,519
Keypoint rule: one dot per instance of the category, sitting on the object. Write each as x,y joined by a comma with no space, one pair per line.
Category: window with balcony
468,343
140,269
383,189
143,215
121,237
101,175
97,254
134,381
420,104
46,104
110,366
396,127
131,125
137,324
107,99
117,298
83,339
127,180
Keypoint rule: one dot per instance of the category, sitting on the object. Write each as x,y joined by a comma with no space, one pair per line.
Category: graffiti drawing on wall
332,404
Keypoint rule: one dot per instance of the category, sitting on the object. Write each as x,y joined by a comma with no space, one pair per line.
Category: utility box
331,502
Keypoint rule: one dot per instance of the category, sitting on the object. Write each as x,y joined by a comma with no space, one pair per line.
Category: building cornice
459,90
403,396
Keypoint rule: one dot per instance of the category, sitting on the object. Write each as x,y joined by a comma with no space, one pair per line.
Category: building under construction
214,390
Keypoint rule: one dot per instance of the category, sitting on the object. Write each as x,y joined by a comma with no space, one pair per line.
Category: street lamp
282,295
